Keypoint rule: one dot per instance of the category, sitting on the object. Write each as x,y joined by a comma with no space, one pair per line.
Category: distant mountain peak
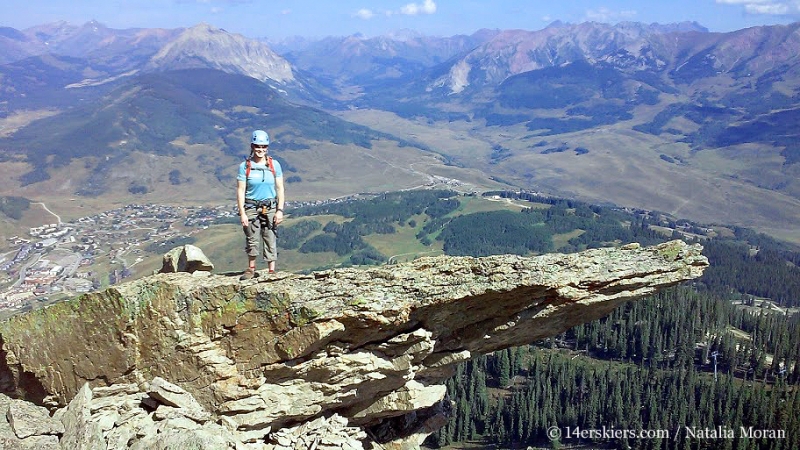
557,24
12,33
47,31
631,46
677,27
93,26
204,27
206,46
404,35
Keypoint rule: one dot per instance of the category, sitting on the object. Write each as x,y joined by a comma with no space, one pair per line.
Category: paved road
23,271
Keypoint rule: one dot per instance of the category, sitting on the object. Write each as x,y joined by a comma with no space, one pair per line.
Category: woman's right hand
243,219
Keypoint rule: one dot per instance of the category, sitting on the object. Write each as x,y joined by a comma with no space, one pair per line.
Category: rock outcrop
344,358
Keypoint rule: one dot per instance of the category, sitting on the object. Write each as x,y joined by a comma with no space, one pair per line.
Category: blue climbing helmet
260,137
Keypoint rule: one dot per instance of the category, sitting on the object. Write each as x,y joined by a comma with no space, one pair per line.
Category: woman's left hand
278,217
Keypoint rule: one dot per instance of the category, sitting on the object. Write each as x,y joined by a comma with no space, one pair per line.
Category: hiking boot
248,274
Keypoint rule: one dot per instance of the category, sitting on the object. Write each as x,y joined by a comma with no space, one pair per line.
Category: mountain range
675,118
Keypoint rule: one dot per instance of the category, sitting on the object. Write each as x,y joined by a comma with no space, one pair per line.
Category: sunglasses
260,147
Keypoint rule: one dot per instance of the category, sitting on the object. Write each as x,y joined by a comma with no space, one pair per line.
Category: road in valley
48,210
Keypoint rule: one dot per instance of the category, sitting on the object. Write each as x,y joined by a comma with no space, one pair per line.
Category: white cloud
604,14
286,12
770,7
413,9
365,14
410,9
775,8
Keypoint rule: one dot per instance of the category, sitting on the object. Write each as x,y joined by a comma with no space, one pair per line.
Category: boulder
186,258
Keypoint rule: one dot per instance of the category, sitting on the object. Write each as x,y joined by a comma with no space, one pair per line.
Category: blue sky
277,19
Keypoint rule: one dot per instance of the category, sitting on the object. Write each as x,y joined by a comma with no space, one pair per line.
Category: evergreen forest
713,364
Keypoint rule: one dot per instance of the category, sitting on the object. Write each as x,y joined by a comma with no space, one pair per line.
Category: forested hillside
435,215
721,353
552,388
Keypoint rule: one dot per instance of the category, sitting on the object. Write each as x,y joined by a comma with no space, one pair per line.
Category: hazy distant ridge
588,110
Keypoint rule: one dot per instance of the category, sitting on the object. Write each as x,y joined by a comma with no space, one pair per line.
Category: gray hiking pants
261,225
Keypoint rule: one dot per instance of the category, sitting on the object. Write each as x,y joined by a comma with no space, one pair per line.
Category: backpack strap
269,164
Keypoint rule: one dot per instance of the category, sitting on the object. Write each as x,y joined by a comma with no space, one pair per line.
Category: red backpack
249,164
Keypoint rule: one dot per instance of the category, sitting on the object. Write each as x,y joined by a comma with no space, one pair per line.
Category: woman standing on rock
259,196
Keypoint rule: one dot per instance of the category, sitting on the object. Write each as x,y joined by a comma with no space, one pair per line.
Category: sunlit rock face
207,46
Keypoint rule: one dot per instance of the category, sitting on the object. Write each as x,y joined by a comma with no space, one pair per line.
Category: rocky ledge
344,358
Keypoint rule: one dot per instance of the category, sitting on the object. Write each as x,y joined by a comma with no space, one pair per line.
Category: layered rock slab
369,344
